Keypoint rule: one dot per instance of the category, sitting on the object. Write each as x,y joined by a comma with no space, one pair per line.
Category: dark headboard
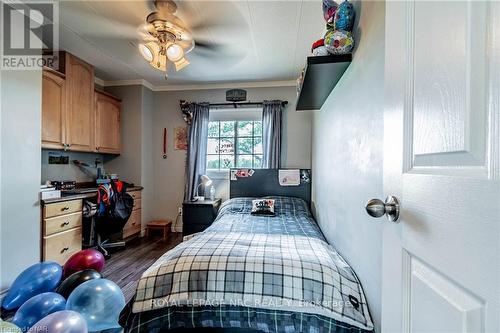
265,182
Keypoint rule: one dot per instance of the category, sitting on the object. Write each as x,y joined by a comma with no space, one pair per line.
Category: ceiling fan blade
209,46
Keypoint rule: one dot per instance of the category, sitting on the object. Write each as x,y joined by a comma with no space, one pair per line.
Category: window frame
224,173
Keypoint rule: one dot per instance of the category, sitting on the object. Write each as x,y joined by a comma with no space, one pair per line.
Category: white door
441,260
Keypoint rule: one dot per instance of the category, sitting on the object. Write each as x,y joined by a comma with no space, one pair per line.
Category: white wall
347,155
169,173
20,114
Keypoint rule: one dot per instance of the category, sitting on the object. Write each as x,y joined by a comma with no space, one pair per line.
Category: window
234,144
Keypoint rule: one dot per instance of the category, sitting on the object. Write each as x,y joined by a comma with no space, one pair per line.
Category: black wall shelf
321,75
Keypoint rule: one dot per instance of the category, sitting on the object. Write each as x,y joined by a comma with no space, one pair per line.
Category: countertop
91,193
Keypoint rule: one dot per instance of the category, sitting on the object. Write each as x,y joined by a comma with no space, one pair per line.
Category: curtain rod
237,104
186,114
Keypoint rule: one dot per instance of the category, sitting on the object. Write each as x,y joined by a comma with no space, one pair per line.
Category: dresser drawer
59,247
61,208
133,225
137,204
61,223
135,194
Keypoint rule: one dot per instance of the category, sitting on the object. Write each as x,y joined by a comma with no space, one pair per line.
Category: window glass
234,144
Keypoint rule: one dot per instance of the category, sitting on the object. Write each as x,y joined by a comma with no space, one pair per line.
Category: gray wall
347,156
134,163
20,116
69,171
169,173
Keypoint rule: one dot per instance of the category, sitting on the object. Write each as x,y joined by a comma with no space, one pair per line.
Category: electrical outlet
179,210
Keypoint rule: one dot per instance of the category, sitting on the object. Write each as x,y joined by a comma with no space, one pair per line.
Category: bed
248,273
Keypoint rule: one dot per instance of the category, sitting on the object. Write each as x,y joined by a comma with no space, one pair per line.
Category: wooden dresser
62,225
61,230
133,226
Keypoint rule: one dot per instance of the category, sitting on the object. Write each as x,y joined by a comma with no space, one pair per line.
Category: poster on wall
180,138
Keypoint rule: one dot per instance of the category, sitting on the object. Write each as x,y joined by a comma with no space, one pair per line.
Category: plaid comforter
277,273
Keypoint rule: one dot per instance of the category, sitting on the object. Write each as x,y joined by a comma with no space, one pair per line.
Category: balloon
6,327
344,17
61,322
339,42
36,279
36,308
85,259
99,301
76,279
329,9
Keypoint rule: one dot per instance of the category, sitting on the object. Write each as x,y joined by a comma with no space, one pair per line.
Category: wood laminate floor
125,267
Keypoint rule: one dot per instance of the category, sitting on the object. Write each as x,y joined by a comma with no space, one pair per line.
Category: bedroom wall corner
20,163
169,173
347,160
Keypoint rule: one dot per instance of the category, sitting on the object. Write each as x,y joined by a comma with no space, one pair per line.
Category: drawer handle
64,208
65,224
65,249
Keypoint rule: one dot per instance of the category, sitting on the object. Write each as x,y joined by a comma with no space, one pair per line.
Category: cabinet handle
65,249
64,209
65,224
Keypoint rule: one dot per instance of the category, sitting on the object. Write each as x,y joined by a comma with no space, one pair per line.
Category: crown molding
99,81
206,86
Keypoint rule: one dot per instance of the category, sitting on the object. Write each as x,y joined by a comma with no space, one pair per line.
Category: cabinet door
80,104
107,124
53,108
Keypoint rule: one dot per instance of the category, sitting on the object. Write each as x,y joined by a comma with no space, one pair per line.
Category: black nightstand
198,215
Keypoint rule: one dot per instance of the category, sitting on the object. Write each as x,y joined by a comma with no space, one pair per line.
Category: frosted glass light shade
146,52
175,53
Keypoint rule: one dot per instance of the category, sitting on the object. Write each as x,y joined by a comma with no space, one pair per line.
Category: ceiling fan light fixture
146,52
175,53
180,64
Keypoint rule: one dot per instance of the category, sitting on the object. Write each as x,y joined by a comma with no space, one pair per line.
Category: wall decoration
289,177
305,176
180,138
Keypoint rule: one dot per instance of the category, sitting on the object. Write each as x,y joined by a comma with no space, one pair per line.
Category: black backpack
117,213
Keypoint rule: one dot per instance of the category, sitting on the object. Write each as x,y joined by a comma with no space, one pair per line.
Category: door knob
378,208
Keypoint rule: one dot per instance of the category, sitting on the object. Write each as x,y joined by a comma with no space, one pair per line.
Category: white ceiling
258,40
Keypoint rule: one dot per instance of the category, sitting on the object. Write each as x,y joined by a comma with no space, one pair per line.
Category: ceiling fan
165,38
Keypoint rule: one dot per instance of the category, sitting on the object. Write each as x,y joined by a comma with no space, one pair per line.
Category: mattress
267,273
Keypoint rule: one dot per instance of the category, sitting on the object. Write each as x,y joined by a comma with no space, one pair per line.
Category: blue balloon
36,279
61,322
99,301
344,17
36,308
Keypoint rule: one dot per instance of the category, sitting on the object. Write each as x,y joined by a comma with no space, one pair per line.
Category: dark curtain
271,136
197,148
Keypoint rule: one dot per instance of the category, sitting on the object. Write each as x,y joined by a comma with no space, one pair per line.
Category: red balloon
85,259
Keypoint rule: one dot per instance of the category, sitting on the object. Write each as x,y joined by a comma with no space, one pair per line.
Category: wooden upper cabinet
80,104
107,123
53,108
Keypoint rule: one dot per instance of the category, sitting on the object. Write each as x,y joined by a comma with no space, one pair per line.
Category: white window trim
250,114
